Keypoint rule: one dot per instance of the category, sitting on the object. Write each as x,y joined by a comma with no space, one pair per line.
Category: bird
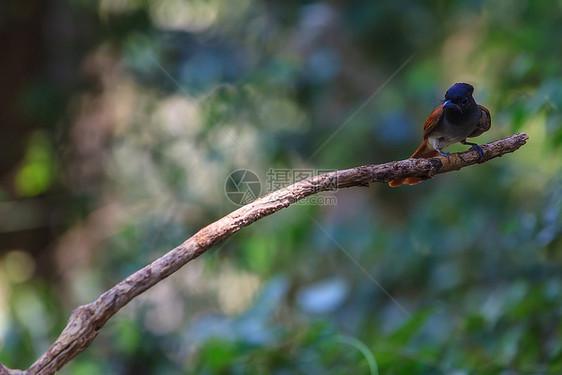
458,118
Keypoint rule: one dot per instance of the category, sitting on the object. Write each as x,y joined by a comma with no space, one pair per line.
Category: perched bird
458,118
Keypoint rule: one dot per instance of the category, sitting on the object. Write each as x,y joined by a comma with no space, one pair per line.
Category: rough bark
86,321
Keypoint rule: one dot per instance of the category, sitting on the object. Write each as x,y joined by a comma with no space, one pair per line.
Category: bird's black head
458,91
459,96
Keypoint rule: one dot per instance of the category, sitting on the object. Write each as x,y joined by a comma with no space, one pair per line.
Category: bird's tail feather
424,151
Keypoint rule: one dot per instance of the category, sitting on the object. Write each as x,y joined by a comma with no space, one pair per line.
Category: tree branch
87,320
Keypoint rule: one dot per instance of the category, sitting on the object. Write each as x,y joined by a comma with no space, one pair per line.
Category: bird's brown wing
483,124
432,120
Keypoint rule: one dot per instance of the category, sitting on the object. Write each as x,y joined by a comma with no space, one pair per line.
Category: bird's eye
464,101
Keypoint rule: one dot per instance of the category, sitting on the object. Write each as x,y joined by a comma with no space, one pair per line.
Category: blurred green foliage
139,110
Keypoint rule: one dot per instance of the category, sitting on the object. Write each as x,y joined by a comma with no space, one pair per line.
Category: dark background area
120,122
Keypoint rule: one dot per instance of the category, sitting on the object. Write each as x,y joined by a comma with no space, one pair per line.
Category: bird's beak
449,103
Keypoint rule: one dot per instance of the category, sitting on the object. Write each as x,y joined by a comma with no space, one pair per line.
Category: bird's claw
476,147
479,150
445,154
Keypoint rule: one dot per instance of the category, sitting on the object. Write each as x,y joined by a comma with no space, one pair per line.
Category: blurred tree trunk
23,56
